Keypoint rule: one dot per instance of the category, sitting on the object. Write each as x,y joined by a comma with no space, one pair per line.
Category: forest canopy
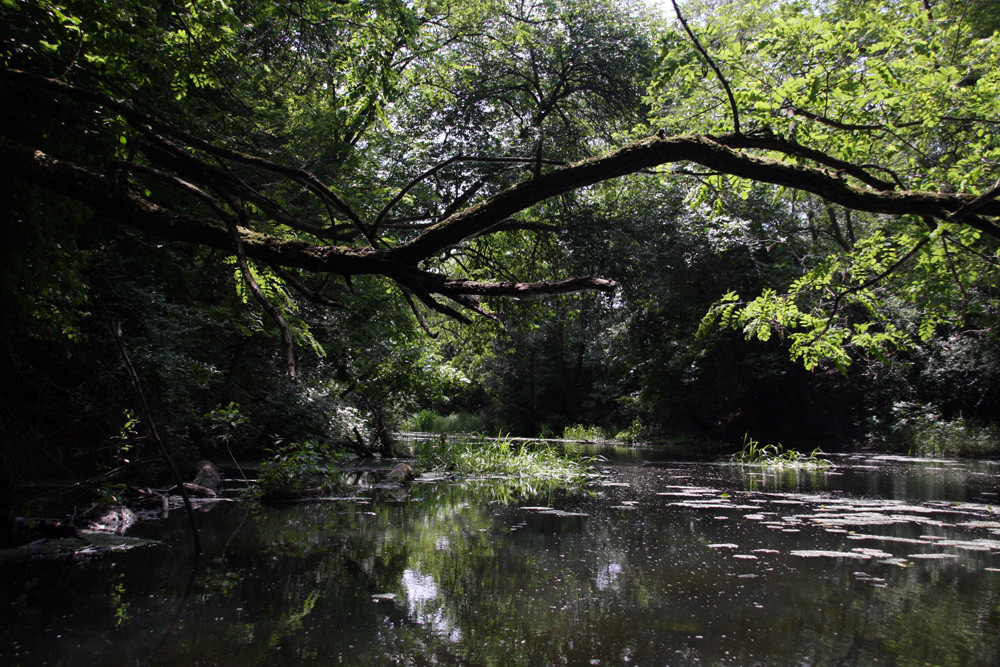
332,178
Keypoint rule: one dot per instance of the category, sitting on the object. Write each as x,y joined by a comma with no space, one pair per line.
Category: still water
877,561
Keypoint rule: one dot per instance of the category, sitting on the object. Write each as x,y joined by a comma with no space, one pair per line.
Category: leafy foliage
296,469
921,430
909,92
428,421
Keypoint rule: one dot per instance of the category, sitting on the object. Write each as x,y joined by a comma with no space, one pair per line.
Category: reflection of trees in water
941,615
463,573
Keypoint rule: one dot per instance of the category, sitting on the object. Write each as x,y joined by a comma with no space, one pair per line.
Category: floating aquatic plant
503,456
777,456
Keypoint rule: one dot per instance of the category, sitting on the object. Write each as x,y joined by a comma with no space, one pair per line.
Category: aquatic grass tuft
502,456
777,456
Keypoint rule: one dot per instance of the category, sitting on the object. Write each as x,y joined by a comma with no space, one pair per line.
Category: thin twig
954,272
711,63
431,171
416,313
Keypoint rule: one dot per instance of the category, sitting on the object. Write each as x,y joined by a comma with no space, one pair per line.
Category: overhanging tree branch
871,282
708,151
198,168
149,124
524,290
127,206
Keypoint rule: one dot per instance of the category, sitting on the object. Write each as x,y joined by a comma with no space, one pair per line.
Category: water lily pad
711,505
551,511
884,538
973,545
934,556
980,524
686,494
874,553
870,519
818,553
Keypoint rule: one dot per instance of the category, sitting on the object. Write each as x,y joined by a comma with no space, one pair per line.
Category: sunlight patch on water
607,577
423,605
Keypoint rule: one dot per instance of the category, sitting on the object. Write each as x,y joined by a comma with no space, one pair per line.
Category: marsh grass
777,456
502,456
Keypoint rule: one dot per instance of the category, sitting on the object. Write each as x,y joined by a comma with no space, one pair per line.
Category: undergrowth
296,470
920,430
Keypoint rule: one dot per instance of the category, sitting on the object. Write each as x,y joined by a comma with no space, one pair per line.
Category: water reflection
653,564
